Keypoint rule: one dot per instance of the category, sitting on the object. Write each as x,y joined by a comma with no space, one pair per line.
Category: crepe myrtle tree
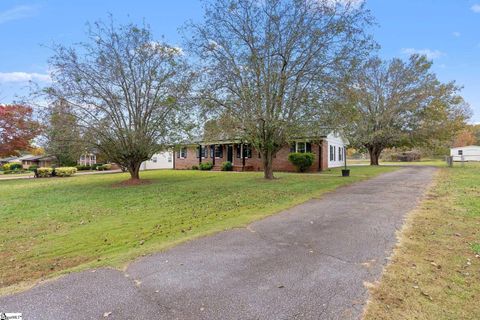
128,91
268,65
401,103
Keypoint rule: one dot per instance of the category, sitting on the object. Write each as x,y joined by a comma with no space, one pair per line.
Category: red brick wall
280,162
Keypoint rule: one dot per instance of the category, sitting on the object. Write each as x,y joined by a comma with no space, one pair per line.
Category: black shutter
308,146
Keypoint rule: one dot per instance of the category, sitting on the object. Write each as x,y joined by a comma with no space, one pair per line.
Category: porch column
199,154
320,155
214,151
243,157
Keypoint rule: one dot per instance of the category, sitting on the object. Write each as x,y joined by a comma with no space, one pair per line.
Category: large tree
396,103
126,89
63,134
17,129
270,65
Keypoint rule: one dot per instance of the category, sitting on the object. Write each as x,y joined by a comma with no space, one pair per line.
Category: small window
204,151
154,159
182,153
340,154
247,150
239,151
218,151
460,152
301,147
170,158
308,147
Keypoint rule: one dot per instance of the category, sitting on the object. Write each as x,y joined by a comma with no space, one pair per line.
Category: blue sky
445,30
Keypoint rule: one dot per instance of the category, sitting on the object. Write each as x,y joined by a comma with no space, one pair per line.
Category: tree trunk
134,170
374,155
267,158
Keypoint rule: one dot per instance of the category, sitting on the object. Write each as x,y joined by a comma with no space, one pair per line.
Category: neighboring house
39,161
8,160
329,152
87,159
161,160
469,153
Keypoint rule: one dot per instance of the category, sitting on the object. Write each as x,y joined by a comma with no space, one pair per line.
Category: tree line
270,70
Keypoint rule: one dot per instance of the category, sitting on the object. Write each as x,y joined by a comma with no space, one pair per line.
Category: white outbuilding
468,153
161,160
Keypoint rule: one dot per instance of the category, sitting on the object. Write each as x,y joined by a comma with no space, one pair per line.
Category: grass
424,162
435,270
50,226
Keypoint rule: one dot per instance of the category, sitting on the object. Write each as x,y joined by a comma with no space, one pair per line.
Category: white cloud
18,12
431,54
476,8
456,34
8,77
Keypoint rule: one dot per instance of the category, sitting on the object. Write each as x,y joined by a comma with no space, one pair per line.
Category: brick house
329,152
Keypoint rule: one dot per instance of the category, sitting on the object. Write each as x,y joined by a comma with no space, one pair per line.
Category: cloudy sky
447,31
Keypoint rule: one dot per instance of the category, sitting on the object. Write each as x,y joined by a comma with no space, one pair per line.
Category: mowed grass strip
52,225
435,270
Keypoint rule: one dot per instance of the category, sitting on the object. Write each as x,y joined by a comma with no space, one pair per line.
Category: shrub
7,172
194,167
44,172
96,165
227,166
65,171
107,166
206,166
302,161
32,167
12,166
83,167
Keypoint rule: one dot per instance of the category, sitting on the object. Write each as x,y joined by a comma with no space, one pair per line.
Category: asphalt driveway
308,262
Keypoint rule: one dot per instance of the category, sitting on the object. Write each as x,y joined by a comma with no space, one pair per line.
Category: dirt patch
131,183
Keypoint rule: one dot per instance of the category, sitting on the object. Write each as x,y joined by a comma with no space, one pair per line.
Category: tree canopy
271,65
396,103
125,88
17,129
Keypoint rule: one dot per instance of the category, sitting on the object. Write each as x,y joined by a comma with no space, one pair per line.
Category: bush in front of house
65,171
302,161
83,167
194,167
227,166
13,166
107,166
44,172
96,165
32,167
205,166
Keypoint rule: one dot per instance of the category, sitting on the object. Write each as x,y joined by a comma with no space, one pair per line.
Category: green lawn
435,270
57,224
424,162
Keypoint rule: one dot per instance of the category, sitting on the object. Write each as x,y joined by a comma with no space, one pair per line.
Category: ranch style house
329,151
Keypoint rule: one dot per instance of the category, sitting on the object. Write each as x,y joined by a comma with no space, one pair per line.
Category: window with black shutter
183,152
219,151
308,147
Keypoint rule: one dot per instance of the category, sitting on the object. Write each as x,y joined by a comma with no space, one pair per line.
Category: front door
230,153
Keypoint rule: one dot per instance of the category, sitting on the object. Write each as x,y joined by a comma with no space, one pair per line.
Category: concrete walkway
309,262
